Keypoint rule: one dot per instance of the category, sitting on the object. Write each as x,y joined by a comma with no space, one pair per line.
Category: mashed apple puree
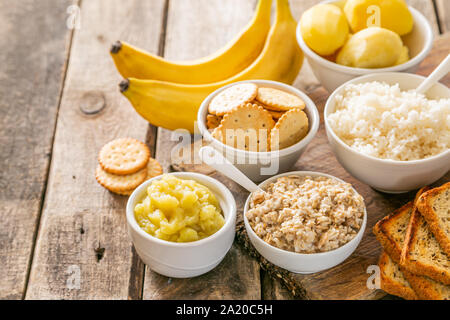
179,210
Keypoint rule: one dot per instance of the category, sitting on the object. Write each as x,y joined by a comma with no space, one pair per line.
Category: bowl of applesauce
181,224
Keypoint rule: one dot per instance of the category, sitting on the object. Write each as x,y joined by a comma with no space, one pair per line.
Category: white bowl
389,176
331,75
260,165
183,260
300,262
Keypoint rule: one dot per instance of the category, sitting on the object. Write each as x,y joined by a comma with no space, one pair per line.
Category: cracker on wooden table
232,97
292,127
124,156
120,184
278,100
213,121
154,168
124,193
246,127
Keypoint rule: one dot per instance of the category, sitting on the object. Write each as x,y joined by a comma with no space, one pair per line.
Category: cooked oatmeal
306,214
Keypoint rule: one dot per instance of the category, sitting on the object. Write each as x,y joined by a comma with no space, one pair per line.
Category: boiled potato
324,28
371,48
393,15
404,56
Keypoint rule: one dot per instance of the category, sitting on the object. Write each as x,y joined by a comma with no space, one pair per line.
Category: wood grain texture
443,10
33,60
197,28
348,280
272,288
83,226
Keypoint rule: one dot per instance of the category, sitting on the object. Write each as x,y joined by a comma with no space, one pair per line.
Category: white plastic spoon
215,159
438,73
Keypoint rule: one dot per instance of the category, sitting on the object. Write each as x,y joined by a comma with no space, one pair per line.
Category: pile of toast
415,263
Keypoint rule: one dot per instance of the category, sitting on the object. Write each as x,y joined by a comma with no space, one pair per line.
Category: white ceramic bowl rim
225,194
357,71
348,148
296,254
310,106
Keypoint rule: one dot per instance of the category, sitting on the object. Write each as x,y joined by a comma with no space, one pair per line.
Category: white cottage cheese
382,121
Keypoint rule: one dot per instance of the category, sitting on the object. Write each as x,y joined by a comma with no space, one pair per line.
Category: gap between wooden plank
152,133
32,74
442,8
438,20
78,137
218,283
68,50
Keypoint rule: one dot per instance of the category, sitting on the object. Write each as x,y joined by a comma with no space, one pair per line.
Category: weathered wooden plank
83,232
197,28
443,11
272,288
33,58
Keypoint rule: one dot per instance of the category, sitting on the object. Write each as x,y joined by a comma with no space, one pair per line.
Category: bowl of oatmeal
388,136
305,222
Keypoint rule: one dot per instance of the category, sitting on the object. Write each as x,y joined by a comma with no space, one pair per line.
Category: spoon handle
215,159
435,76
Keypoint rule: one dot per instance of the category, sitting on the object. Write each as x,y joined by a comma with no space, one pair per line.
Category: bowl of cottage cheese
386,134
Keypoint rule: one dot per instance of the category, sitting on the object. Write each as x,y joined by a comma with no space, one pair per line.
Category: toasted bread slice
391,232
422,254
426,288
434,206
392,279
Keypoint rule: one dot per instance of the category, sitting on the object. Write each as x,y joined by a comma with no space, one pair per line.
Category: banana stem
115,48
124,85
283,11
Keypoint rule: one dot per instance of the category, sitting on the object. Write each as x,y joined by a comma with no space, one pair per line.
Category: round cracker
153,168
213,121
124,156
232,97
292,127
124,193
278,100
276,114
120,184
238,123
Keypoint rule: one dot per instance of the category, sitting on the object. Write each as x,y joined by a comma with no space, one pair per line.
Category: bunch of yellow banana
168,94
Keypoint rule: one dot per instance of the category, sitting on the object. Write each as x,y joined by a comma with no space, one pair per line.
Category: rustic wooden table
61,235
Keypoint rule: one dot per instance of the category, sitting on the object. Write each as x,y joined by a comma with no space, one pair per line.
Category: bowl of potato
346,39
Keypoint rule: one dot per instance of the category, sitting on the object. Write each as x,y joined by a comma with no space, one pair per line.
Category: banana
174,106
230,60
